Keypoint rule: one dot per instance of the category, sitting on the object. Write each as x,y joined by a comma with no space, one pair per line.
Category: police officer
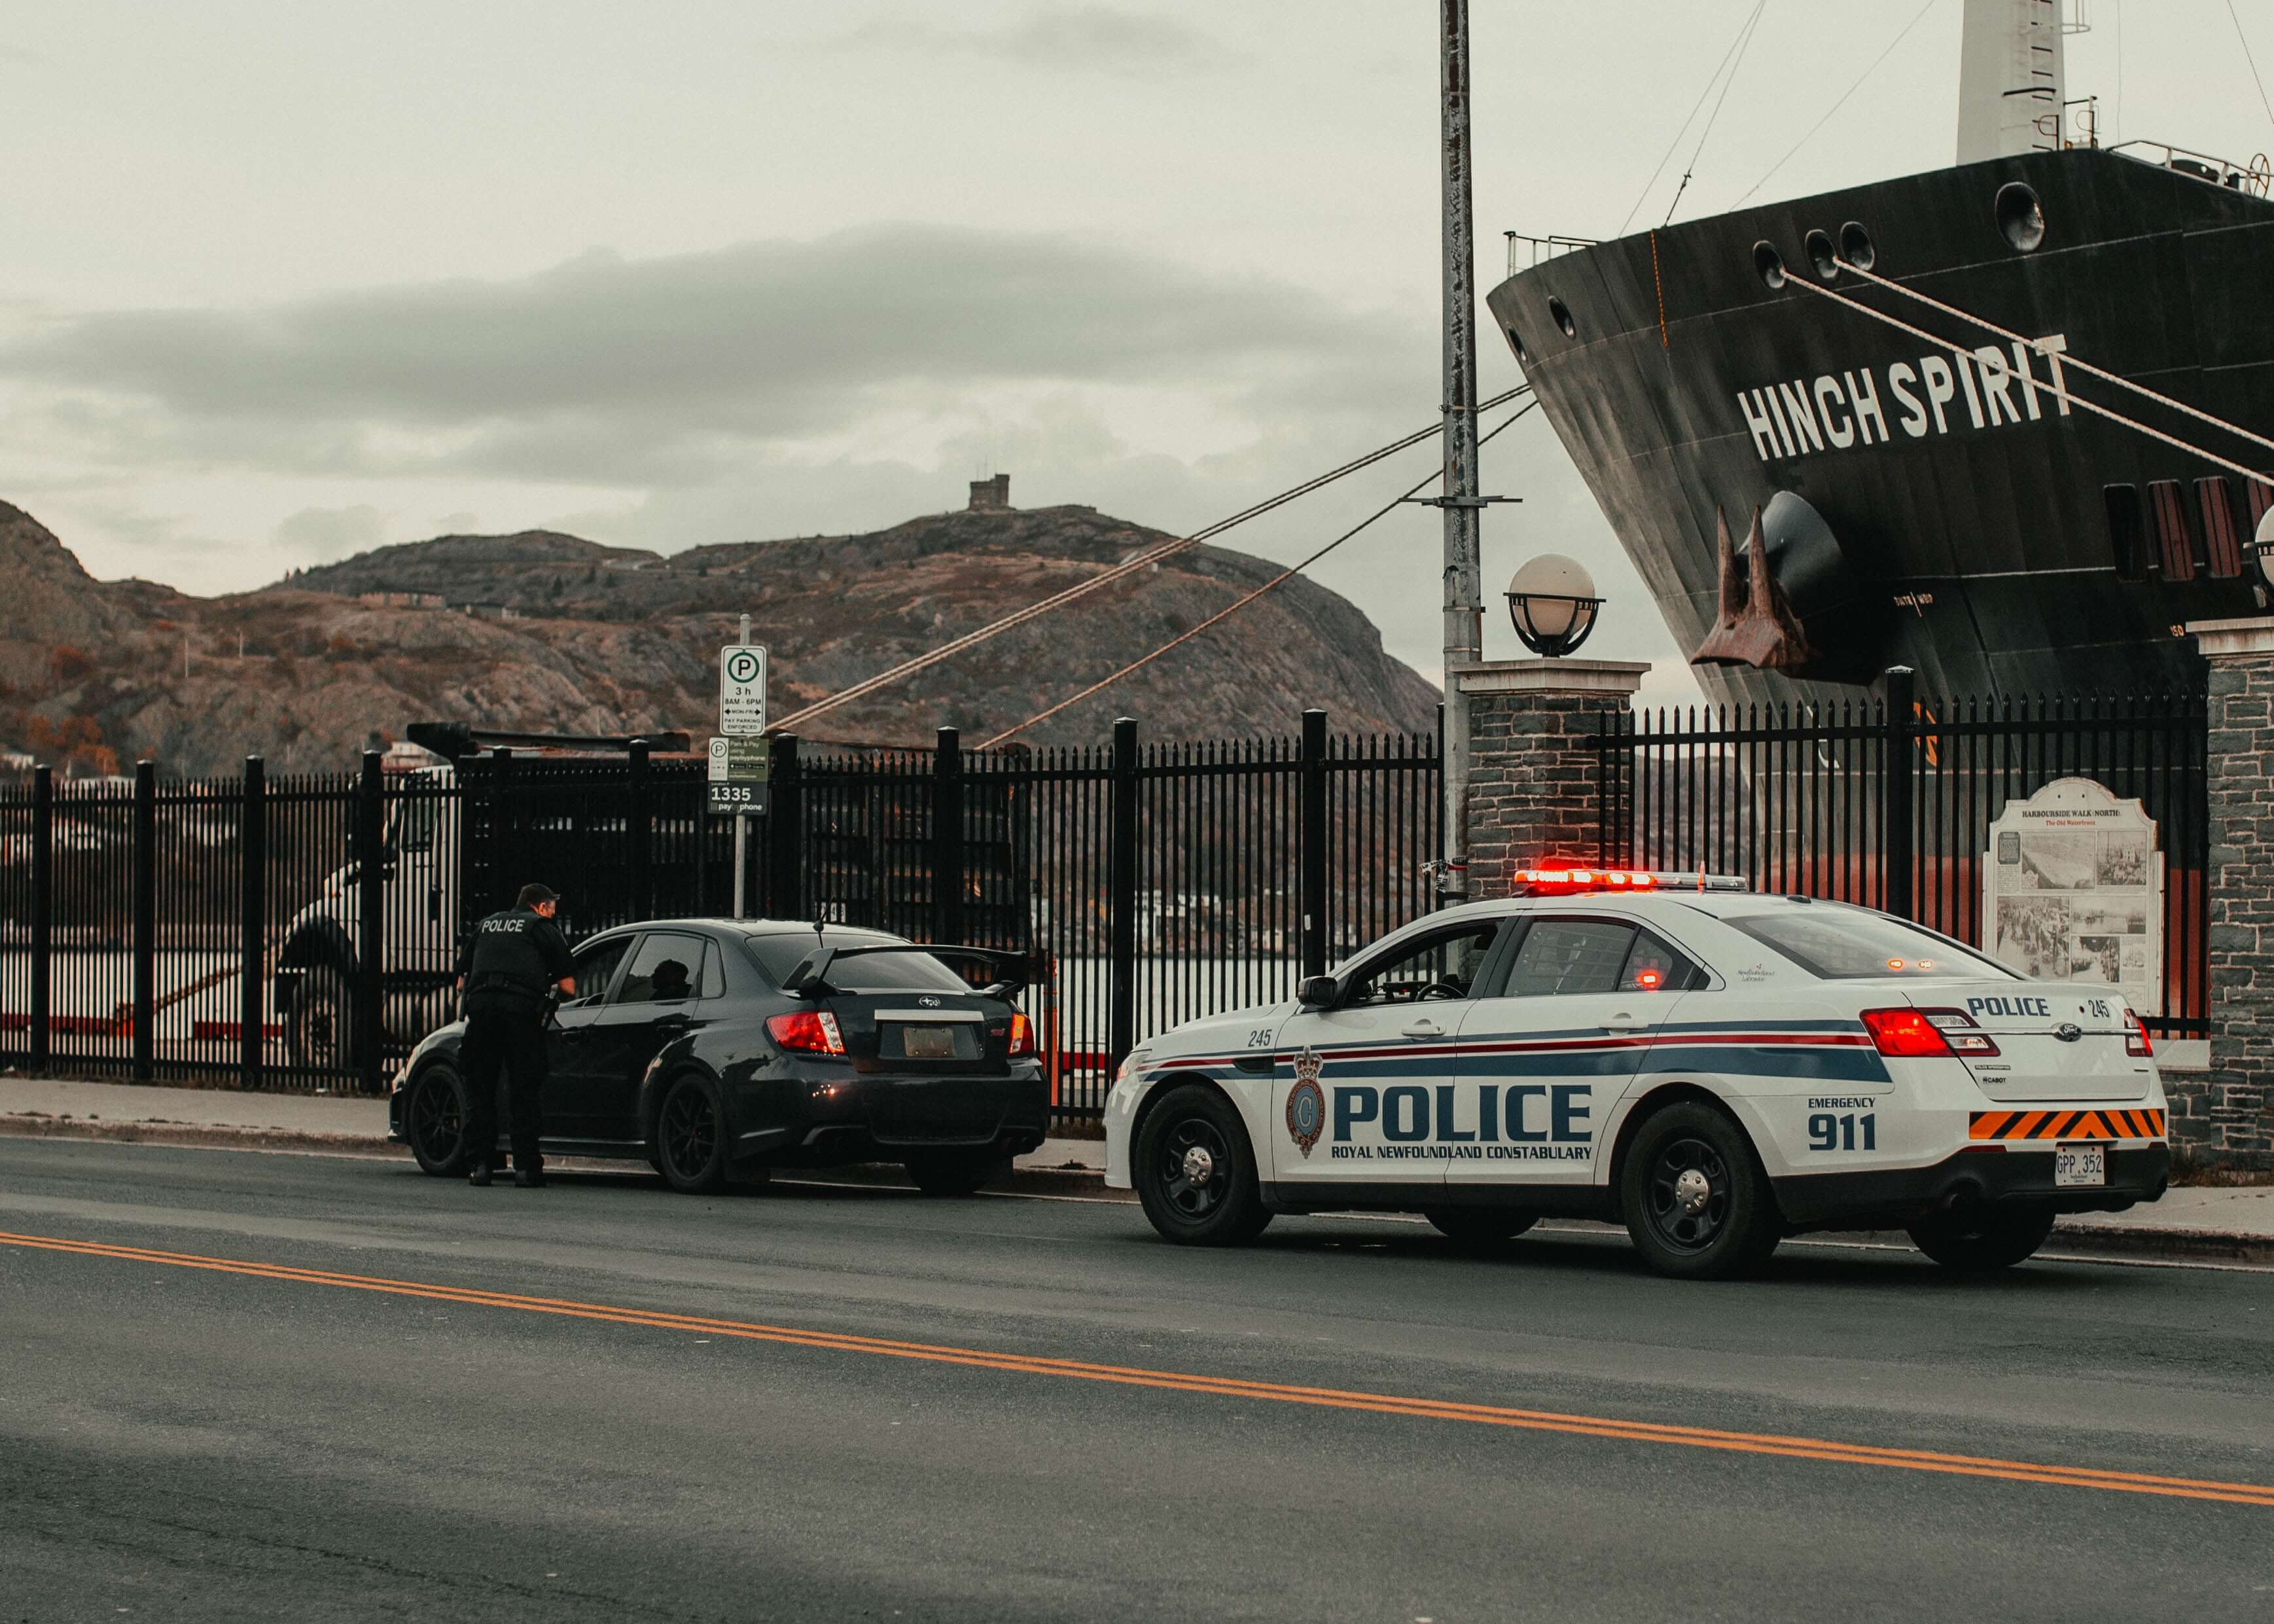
512,961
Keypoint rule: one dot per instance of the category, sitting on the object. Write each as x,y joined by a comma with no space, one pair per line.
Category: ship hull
1977,542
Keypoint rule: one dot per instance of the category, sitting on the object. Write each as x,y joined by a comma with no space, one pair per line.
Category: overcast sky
282,281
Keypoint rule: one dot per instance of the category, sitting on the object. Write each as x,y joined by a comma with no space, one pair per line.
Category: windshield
1846,944
778,955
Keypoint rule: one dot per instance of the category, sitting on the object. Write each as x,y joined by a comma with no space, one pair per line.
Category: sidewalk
340,1125
2234,1225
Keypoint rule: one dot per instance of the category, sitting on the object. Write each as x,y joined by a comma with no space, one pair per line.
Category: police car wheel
434,1122
1482,1226
1195,1171
1695,1200
691,1138
1985,1240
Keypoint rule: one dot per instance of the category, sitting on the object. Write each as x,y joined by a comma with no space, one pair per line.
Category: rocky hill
544,631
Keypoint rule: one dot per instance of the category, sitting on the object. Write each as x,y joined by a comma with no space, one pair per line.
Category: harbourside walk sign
2073,890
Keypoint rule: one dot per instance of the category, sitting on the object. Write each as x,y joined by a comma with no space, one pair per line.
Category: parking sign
742,690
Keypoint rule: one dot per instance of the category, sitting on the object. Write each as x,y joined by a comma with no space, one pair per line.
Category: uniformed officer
513,961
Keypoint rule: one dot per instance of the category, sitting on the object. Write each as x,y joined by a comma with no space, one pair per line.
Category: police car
1716,1068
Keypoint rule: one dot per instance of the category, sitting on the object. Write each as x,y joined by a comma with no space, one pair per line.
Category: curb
35,1125
2094,1240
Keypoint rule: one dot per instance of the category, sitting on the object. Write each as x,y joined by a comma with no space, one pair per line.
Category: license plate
2075,1165
928,1042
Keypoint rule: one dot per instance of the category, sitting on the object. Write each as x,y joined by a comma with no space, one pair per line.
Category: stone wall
1533,779
2221,1115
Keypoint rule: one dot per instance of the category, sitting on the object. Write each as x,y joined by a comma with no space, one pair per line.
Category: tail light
1906,1035
812,1032
2135,1038
1022,1036
1960,1031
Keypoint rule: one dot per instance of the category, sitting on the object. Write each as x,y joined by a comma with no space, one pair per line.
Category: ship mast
1460,503
2010,80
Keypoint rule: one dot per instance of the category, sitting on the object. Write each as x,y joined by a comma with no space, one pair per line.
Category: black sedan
717,1049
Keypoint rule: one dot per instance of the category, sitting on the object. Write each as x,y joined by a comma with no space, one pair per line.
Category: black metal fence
1888,802
302,933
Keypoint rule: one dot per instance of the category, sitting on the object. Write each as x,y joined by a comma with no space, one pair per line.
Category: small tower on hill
991,495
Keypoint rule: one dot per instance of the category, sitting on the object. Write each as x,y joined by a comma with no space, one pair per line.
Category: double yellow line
1222,1387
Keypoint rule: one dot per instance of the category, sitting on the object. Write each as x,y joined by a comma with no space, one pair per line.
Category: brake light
1906,1035
813,1032
1960,1031
1022,1036
2135,1038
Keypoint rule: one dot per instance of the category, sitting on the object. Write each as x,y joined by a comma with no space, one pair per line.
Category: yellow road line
1225,1387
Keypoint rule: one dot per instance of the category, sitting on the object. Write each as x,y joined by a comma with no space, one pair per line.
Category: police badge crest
1307,1103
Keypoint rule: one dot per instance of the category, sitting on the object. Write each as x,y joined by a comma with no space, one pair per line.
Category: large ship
1812,493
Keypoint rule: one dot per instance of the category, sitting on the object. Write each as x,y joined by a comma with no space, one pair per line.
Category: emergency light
1580,880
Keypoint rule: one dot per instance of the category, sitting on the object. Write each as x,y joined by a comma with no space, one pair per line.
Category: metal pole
371,938
742,822
253,921
1312,867
1895,785
1463,601
43,911
145,919
1121,896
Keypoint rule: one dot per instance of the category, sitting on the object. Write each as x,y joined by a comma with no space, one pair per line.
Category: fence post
145,919
785,831
1121,902
1900,859
371,940
43,913
947,838
1313,899
253,921
638,827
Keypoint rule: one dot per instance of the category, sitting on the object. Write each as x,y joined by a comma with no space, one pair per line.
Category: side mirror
1316,992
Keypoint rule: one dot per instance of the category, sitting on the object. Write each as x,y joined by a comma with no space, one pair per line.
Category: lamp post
1553,605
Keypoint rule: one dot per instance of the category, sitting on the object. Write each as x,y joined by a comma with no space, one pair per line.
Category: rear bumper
1896,1197
845,1117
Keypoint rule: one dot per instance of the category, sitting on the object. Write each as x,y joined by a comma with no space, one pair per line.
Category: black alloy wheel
1983,1240
1480,1226
1195,1171
691,1138
319,1025
434,1121
1696,1202
954,1173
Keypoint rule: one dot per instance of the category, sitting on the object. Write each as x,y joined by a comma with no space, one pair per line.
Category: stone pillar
2221,1115
1533,780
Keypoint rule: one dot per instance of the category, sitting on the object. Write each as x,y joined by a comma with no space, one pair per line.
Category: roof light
1571,879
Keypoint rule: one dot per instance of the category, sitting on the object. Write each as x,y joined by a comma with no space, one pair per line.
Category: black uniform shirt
519,953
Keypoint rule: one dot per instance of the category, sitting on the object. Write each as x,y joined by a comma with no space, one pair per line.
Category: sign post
739,754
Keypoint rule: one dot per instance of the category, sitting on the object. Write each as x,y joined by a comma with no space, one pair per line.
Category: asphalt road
602,1401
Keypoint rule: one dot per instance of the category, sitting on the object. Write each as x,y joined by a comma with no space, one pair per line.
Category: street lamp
1552,604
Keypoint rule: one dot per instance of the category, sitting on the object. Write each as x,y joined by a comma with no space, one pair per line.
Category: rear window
1847,944
778,955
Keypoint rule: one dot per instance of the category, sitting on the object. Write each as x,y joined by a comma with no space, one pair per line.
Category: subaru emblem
928,1002
2069,1032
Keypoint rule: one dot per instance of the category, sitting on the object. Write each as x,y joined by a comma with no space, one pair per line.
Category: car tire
1480,1226
690,1136
434,1121
952,1175
1695,1199
319,1024
1195,1171
1983,1240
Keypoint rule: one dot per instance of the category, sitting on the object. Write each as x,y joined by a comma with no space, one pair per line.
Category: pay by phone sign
743,691
738,772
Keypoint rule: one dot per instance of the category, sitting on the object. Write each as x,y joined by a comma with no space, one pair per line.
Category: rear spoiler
810,979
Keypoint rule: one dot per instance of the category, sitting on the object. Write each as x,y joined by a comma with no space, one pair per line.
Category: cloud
669,371
1061,39
325,535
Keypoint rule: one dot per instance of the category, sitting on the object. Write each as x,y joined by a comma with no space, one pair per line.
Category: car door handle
1422,1029
1625,1023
